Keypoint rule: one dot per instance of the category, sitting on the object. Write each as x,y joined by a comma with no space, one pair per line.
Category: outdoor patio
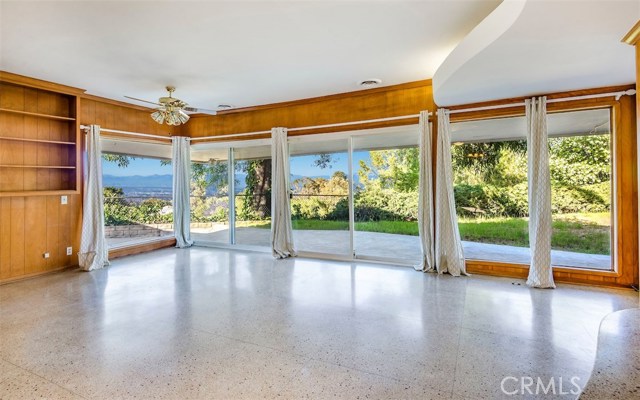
402,247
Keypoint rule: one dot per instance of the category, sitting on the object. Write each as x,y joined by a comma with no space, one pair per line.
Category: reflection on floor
403,247
117,242
212,323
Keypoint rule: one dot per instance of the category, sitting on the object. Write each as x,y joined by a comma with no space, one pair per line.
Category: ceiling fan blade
144,101
200,110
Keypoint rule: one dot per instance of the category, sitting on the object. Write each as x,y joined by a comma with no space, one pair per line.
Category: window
252,171
320,195
379,189
137,185
210,195
490,185
386,170
247,191
581,190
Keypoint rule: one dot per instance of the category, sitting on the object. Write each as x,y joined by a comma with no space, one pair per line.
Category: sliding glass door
231,193
210,198
385,175
252,195
319,181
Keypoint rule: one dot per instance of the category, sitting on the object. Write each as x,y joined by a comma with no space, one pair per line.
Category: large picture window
490,174
137,185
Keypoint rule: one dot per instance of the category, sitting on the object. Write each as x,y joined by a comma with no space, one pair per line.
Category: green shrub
485,200
491,201
149,211
574,199
386,204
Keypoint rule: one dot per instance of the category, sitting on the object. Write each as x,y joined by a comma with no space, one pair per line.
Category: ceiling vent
225,106
369,83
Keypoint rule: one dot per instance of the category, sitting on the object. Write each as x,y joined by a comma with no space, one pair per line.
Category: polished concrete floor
616,371
210,323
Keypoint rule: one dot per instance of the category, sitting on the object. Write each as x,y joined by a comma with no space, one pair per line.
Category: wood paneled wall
633,38
120,116
390,101
33,225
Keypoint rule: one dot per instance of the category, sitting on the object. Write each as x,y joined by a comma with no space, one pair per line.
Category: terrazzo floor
214,323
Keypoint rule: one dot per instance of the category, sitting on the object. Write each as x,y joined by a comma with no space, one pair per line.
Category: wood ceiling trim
22,80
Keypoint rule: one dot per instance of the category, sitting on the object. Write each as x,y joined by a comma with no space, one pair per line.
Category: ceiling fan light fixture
171,110
183,116
172,118
158,116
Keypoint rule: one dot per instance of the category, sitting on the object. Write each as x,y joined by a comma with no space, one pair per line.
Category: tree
396,169
258,189
113,195
121,160
323,161
580,160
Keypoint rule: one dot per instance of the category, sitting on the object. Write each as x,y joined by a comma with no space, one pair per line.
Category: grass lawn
584,233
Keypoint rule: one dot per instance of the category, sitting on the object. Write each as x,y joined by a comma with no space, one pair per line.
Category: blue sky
139,166
301,165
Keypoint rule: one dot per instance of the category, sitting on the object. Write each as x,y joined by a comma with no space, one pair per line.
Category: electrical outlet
69,251
63,199
45,255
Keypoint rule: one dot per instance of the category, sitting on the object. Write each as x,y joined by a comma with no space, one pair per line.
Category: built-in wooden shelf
36,140
38,193
32,114
38,166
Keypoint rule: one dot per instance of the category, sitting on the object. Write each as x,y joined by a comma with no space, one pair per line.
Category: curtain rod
86,127
629,92
302,128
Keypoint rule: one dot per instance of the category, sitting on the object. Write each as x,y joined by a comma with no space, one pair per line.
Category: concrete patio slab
402,247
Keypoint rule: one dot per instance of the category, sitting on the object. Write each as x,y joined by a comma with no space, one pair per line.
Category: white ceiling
241,53
540,46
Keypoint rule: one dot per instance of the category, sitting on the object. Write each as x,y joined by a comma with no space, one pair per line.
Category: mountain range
138,181
165,181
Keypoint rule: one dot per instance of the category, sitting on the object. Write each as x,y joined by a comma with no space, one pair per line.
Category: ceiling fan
171,110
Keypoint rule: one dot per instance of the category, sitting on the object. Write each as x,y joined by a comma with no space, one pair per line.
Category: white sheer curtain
540,272
448,247
281,230
181,162
94,253
425,194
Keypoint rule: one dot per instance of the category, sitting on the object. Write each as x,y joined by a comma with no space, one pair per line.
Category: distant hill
138,181
166,181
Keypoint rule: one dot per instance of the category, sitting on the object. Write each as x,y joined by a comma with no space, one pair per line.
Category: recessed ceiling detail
533,47
231,52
